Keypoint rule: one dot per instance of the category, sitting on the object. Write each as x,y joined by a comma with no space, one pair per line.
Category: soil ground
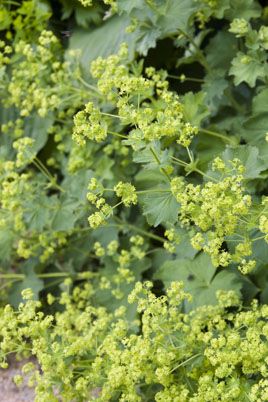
9,392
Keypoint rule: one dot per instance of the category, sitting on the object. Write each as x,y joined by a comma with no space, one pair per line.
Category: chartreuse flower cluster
173,239
33,87
86,3
144,104
86,353
148,111
125,261
40,91
214,212
37,83
88,123
217,209
125,191
23,20
18,192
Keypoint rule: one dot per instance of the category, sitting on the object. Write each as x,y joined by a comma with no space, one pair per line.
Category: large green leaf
214,87
147,38
75,185
6,243
65,216
260,102
260,250
102,41
149,178
176,15
254,132
249,156
160,206
208,148
184,249
195,109
147,158
248,71
37,128
246,9
226,42
31,281
38,212
157,21
199,279
129,5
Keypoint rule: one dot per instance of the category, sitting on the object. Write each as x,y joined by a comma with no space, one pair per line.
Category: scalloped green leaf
200,279
160,206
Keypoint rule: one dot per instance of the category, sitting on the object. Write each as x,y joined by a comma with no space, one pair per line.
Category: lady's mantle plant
86,353
135,150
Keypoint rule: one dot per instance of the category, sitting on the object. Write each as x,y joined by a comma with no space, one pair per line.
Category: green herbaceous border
134,199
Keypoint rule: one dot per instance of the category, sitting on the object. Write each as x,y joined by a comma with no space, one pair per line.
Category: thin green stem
46,275
87,85
181,162
12,276
205,175
186,78
142,191
117,134
263,211
223,137
189,154
259,238
153,250
41,167
243,220
159,163
138,230
69,98
52,283
54,275
112,115
203,60
184,164
117,205
185,362
152,191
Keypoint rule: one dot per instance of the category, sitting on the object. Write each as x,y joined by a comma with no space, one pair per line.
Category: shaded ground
9,392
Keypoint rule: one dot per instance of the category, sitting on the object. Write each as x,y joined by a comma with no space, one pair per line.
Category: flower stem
159,163
223,137
117,134
192,79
